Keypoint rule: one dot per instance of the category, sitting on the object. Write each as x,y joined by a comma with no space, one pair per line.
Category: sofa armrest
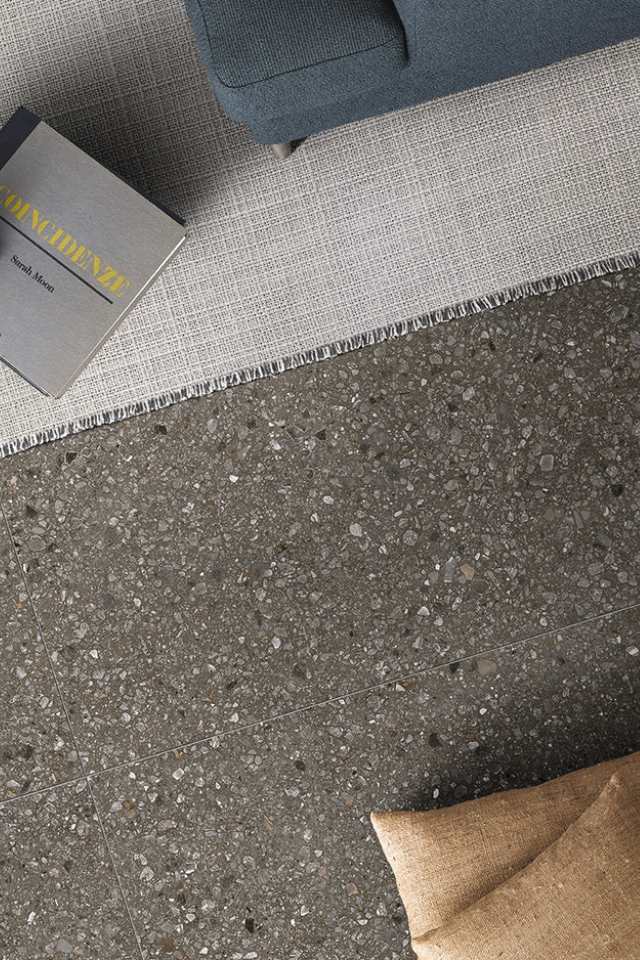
407,11
264,61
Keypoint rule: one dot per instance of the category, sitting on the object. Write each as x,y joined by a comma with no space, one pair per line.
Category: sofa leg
282,150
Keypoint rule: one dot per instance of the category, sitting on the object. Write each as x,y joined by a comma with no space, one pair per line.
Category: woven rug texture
368,231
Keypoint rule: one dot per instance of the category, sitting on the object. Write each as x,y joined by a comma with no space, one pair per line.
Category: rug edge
465,308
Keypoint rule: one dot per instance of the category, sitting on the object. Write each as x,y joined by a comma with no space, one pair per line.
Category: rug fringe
390,331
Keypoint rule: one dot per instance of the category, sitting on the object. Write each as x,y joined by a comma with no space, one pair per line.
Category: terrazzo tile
36,748
258,844
339,525
60,897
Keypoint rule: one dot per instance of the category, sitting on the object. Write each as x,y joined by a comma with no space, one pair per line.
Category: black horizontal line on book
55,259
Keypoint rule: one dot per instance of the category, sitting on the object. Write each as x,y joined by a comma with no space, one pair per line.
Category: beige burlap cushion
579,900
445,860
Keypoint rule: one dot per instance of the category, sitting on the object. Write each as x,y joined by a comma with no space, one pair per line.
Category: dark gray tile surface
259,844
269,554
60,897
302,537
36,748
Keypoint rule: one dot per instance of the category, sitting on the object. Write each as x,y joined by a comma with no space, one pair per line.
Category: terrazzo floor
405,577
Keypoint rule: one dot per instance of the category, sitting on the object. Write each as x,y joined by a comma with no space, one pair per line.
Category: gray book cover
78,248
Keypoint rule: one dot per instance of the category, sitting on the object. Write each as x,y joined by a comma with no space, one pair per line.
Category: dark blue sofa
290,68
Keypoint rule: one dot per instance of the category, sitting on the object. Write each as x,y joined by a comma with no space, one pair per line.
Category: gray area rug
367,232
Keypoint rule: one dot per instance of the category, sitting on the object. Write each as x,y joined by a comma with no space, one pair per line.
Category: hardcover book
78,248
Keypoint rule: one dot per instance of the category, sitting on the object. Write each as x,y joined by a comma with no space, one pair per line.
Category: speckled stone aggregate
467,492
59,894
36,747
260,843
349,522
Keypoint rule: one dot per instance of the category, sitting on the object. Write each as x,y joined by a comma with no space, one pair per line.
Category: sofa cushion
579,900
257,40
444,860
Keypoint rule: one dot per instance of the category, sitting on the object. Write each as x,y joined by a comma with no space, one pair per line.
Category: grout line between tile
316,704
49,789
115,869
74,741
